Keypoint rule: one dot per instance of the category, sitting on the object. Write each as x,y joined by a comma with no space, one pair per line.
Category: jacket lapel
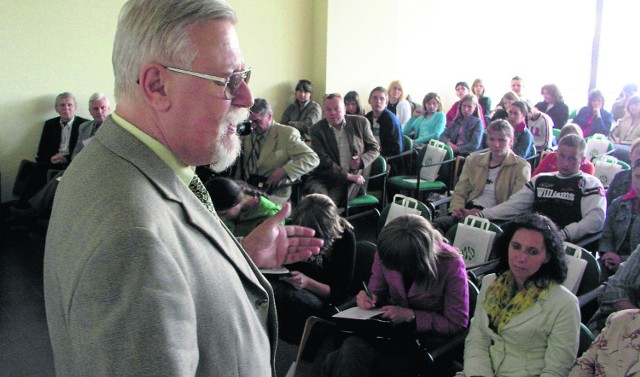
525,316
161,176
268,147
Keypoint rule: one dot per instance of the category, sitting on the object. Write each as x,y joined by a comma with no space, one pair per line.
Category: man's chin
226,154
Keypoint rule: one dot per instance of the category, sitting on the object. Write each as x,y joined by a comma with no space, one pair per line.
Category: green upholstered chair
415,185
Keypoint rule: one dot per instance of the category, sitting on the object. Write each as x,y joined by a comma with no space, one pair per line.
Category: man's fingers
298,231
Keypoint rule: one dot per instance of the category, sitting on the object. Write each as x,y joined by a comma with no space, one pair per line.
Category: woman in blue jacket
593,118
464,134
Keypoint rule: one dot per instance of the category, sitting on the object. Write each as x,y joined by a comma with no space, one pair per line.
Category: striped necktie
252,166
197,187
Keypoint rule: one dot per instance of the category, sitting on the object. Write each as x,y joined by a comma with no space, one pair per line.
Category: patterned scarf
504,301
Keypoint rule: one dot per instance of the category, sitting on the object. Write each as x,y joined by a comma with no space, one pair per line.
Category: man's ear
152,79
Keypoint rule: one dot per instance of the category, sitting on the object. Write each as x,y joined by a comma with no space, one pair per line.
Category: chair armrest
433,352
400,155
583,242
590,296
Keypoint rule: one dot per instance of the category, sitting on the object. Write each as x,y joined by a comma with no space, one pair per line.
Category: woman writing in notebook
418,281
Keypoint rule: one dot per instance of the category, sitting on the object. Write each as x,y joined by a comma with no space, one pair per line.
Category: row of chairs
436,357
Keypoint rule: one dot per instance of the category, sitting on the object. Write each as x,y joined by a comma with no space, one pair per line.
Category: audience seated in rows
273,155
323,278
462,90
303,112
417,281
622,180
526,323
572,199
549,164
621,292
241,209
621,232
522,139
352,103
40,204
398,105
620,104
426,124
488,178
593,118
477,89
615,351
553,105
386,127
464,134
57,142
346,148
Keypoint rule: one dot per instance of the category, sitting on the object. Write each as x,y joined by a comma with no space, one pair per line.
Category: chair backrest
407,143
377,180
591,277
425,212
586,338
606,167
365,253
473,297
597,144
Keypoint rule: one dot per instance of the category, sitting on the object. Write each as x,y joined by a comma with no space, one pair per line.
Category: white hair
158,31
97,96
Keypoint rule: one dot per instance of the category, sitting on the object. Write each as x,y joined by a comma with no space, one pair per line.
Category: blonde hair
398,83
410,245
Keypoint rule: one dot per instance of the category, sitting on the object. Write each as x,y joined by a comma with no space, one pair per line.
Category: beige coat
513,175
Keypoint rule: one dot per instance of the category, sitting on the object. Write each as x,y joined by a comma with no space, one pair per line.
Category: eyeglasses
231,83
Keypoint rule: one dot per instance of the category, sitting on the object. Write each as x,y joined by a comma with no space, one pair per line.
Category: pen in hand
366,290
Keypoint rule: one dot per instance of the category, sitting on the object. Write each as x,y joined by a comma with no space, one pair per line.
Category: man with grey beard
141,276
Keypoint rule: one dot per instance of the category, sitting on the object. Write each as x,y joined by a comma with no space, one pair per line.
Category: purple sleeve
455,316
377,283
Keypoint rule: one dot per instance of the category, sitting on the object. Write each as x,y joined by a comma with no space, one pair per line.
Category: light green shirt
183,171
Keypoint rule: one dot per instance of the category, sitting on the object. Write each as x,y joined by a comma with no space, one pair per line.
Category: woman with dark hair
418,281
352,104
322,279
553,105
526,323
241,208
462,90
523,139
593,118
428,125
464,134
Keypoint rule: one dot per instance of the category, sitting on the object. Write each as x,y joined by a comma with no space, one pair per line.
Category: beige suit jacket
140,279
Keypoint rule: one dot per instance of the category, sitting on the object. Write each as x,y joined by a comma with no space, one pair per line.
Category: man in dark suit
346,148
59,134
58,139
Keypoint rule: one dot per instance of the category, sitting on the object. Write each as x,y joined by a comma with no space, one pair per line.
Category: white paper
274,271
357,313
